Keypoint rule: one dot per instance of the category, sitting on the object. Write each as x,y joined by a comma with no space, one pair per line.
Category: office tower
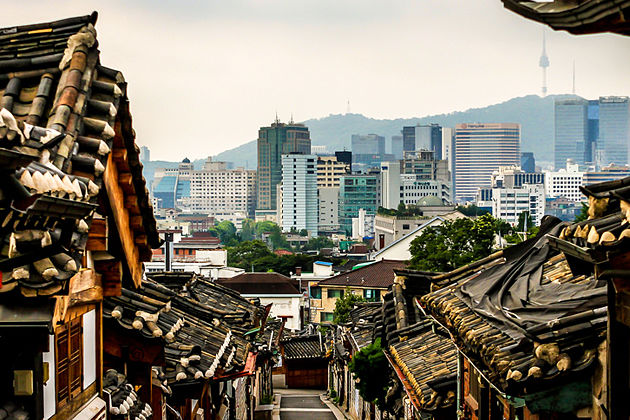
479,150
299,192
369,144
590,153
145,154
614,133
344,156
423,137
319,150
330,170
274,141
424,164
357,191
607,173
509,203
397,147
570,132
528,162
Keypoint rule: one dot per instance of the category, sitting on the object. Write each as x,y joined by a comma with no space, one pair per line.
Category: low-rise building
271,288
509,203
370,280
565,183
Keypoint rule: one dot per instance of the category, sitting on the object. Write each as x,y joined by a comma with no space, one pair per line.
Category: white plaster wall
50,398
284,306
89,348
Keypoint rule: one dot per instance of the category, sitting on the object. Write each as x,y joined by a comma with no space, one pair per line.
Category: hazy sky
204,75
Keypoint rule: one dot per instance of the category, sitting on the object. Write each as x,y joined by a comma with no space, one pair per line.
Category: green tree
344,304
371,370
524,222
318,243
244,254
227,233
472,210
583,214
401,207
266,226
453,244
248,231
303,232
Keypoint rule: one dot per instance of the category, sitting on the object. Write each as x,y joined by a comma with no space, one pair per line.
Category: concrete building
328,214
614,130
528,162
358,191
299,193
273,142
145,154
479,150
391,229
607,173
330,170
222,192
363,224
565,183
509,203
448,141
391,194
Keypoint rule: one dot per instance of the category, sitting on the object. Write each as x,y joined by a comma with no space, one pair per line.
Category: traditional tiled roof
303,347
527,321
122,400
576,17
260,284
202,338
61,115
377,275
366,324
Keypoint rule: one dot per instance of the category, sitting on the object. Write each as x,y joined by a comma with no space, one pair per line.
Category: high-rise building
357,191
614,131
299,192
396,148
423,137
570,131
330,170
274,141
367,151
328,215
219,191
528,162
448,137
171,186
509,203
479,150
145,154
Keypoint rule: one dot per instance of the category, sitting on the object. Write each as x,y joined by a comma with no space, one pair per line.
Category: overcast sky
204,75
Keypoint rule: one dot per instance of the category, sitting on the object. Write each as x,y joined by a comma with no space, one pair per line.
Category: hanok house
303,361
190,346
370,280
75,216
530,322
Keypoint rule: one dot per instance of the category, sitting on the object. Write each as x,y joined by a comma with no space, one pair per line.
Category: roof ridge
85,19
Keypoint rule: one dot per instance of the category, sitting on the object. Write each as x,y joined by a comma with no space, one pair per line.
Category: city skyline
216,48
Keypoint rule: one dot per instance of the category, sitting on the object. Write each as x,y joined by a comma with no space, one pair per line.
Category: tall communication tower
544,63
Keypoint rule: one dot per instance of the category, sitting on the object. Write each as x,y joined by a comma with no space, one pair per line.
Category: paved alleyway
304,407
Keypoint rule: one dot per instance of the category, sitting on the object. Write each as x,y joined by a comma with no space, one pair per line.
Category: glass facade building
570,131
613,140
273,142
357,191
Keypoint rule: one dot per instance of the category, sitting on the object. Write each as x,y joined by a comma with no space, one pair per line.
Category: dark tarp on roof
514,297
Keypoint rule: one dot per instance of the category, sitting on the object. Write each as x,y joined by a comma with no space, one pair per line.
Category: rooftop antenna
574,77
544,63
291,122
277,119
348,107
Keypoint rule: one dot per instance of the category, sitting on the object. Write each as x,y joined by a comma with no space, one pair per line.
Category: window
327,316
69,361
335,293
372,295
316,292
405,226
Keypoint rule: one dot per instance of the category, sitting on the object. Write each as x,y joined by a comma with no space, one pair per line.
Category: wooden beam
117,200
125,180
136,223
97,235
141,239
111,276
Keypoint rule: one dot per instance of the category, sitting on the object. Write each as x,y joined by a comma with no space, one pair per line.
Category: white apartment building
299,193
220,191
409,187
509,203
565,183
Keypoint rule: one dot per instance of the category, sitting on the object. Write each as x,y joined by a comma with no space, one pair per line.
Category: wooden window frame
71,364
